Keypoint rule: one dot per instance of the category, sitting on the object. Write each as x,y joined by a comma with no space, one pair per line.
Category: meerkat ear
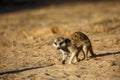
67,40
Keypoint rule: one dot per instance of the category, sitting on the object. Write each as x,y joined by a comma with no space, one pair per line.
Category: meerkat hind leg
76,57
83,55
92,53
85,51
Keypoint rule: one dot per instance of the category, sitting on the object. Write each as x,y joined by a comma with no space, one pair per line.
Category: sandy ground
26,51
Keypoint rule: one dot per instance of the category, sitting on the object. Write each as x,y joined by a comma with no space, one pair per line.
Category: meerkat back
79,38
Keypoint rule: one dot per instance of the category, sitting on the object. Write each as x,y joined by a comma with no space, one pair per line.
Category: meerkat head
61,42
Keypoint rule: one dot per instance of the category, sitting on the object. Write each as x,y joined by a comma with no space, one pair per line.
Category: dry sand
26,51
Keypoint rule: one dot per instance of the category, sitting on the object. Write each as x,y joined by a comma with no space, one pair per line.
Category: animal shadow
107,54
22,70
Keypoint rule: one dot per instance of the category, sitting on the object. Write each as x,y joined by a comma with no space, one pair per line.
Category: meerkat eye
55,43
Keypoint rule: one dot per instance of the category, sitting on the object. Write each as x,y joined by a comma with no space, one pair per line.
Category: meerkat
78,41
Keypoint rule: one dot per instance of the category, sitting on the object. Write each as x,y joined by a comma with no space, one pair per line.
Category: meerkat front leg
65,55
74,53
72,57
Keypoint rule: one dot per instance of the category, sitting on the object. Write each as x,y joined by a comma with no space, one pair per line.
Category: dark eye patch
61,43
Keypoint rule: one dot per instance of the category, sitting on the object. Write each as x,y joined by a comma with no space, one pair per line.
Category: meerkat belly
73,48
